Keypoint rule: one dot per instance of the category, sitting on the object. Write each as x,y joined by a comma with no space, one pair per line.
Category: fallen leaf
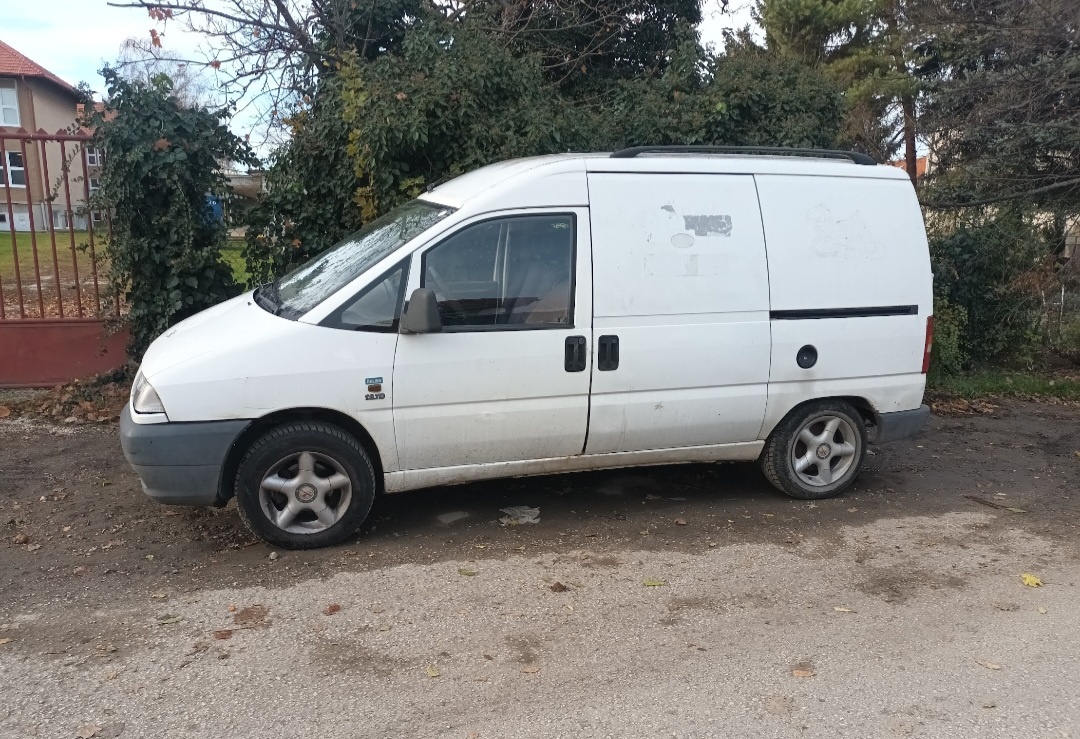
531,669
680,521
161,144
170,618
650,582
6,640
21,538
467,572
472,735
853,509
488,657
112,674
841,609
222,634
988,665
159,594
802,669
1042,610
432,671
231,608
558,587
251,617
1031,581
87,732
33,547
332,609
149,557
4,411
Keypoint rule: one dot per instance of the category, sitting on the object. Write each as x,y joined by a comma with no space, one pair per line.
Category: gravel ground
676,601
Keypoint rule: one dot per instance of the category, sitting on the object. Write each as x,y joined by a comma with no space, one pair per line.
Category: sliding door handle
607,353
575,358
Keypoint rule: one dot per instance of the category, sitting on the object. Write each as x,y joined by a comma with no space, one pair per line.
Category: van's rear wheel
817,451
305,485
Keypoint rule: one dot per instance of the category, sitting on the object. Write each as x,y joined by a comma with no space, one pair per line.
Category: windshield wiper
269,302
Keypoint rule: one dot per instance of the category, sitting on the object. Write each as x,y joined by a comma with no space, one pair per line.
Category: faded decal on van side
682,240
708,225
844,237
684,265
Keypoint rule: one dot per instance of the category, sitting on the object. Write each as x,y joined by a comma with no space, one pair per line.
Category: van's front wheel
816,451
305,485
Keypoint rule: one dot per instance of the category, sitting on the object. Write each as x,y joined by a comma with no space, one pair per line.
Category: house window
9,104
94,157
95,184
97,216
15,170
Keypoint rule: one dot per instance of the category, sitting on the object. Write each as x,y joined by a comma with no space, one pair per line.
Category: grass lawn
24,244
233,257
231,253
985,383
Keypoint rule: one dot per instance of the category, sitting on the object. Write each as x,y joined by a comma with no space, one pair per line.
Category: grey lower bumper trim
901,424
179,463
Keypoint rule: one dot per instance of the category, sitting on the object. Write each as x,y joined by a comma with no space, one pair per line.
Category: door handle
575,354
607,353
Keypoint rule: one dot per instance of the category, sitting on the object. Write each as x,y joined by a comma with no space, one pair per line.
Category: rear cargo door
681,311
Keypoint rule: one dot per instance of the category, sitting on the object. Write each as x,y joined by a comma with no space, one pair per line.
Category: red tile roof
14,64
922,164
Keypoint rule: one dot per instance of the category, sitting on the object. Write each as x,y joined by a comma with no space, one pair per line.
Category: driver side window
510,273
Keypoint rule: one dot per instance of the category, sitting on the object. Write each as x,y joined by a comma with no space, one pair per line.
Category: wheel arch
861,404
261,425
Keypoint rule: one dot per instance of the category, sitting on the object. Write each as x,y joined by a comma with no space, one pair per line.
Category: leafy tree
456,99
870,48
164,256
1004,102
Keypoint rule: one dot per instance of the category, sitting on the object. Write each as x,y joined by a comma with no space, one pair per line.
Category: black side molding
870,312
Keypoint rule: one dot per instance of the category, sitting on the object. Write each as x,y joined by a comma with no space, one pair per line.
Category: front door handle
607,353
575,354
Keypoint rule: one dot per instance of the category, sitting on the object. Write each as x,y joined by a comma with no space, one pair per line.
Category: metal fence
50,236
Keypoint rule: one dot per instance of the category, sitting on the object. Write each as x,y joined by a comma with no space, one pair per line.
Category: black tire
334,452
782,450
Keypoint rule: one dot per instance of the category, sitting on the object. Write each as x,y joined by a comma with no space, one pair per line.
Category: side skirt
397,482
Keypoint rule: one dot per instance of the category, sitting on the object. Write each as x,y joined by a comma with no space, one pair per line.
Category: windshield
305,287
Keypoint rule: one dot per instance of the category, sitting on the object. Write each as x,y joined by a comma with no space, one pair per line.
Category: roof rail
855,156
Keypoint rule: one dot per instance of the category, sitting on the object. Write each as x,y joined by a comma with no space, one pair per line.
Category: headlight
144,398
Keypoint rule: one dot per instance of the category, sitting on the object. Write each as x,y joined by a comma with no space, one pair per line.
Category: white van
582,311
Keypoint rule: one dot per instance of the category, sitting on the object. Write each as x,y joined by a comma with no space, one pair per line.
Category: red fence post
11,225
52,231
71,225
33,230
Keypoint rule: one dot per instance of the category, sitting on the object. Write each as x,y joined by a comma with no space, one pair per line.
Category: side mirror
422,313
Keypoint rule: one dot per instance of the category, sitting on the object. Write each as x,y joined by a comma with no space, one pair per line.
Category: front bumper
900,425
179,463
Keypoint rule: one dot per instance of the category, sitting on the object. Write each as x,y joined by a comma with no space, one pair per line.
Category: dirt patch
92,536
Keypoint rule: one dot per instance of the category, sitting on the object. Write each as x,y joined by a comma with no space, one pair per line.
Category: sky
74,38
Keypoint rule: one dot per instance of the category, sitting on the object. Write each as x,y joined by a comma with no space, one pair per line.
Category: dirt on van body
102,583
